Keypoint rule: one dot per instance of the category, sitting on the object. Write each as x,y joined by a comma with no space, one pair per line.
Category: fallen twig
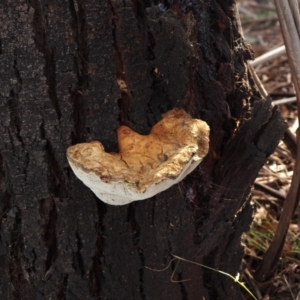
288,15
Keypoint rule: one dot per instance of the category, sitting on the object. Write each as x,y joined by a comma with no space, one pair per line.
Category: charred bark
73,71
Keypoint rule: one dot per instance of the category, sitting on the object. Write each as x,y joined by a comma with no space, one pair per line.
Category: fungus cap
146,164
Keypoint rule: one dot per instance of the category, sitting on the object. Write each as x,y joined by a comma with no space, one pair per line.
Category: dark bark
61,64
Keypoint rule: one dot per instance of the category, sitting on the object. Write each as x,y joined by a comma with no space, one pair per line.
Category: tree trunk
74,71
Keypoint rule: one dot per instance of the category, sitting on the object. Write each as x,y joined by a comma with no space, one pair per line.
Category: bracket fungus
146,164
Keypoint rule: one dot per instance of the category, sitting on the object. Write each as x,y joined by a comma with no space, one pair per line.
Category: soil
261,29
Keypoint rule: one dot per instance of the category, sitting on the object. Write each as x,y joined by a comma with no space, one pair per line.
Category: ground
261,29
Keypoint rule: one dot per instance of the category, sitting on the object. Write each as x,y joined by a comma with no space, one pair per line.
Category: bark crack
79,259
48,211
126,93
81,64
96,268
39,29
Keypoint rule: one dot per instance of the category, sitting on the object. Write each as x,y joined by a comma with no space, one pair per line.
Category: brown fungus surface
145,164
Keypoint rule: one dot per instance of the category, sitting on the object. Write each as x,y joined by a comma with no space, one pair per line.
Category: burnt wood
74,71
